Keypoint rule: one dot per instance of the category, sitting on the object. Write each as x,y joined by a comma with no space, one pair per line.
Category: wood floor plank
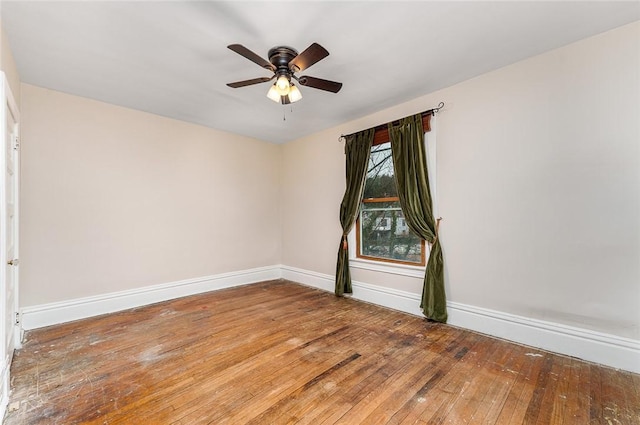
434,342
548,400
429,369
560,396
631,384
280,353
462,407
577,411
366,379
429,400
278,383
302,406
596,403
422,382
495,393
507,377
517,403
534,405
618,405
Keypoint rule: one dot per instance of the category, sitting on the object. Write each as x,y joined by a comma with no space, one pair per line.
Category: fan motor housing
281,56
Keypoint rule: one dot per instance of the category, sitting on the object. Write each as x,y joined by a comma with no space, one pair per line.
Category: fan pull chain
284,113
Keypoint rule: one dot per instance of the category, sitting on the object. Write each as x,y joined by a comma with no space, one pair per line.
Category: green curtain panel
357,151
410,167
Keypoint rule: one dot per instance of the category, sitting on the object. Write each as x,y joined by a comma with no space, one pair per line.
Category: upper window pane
380,182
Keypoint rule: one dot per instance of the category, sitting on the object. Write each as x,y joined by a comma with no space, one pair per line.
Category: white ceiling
170,58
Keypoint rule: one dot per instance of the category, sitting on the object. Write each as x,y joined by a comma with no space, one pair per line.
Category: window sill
379,266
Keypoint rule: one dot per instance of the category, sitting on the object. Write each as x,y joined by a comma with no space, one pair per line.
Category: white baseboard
66,311
606,349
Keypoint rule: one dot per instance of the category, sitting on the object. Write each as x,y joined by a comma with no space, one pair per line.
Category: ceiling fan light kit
284,62
294,93
273,94
282,85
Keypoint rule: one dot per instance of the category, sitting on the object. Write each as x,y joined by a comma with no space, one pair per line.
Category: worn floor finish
280,353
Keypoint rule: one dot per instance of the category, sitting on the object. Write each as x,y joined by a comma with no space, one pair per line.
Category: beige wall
538,178
538,181
8,65
115,199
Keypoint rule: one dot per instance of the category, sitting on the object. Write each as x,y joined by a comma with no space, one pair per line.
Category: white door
9,185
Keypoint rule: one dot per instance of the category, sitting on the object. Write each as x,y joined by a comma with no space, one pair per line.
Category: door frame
9,106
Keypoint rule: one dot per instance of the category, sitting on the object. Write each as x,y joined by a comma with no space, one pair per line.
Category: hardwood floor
281,353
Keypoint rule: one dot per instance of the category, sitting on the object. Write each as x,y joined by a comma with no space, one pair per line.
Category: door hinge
16,143
17,318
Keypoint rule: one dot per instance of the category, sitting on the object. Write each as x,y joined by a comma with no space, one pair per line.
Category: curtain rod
431,111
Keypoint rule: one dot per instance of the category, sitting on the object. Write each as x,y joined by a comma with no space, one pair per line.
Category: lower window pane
384,233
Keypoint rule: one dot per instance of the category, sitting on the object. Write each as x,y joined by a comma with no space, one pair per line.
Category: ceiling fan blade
243,51
244,83
311,55
319,83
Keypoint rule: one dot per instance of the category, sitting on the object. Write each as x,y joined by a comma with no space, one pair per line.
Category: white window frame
395,268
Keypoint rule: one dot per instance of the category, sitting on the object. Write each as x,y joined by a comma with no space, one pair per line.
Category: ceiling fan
285,62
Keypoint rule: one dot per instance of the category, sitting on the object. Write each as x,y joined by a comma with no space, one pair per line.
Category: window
382,233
